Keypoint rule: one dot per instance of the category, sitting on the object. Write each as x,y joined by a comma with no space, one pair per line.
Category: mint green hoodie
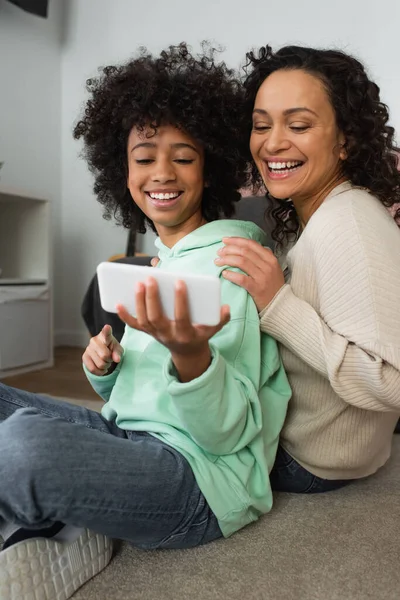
227,422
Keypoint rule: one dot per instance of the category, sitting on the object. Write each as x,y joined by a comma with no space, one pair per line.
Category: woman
320,138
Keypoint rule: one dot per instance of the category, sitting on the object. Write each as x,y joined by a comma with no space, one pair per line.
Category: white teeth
284,165
168,196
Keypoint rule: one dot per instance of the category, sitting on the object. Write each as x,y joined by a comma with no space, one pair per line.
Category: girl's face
295,141
165,179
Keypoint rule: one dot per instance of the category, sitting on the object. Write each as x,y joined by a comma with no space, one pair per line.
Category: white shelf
19,281
25,320
17,196
24,237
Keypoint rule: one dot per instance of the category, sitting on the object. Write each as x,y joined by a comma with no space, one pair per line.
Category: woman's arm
365,374
352,336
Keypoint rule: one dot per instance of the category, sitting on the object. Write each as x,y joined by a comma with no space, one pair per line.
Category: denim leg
288,475
61,463
11,399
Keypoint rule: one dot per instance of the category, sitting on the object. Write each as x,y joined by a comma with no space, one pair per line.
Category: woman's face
295,141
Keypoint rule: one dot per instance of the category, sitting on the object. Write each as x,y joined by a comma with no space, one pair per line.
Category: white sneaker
49,569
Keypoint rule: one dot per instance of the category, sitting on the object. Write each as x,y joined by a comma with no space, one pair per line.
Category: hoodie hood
211,234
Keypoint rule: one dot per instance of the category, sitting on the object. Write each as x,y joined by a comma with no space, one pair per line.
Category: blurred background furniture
26,340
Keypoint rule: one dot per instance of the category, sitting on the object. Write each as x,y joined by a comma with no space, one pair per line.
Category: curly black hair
372,159
195,93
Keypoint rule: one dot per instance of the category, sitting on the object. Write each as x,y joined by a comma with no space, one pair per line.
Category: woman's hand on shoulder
263,276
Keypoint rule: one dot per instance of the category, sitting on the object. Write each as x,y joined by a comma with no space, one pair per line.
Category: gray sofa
344,545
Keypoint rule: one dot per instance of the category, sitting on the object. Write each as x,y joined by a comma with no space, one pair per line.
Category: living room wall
30,112
43,69
100,32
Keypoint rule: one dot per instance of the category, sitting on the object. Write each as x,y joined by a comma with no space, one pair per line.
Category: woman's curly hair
372,156
194,93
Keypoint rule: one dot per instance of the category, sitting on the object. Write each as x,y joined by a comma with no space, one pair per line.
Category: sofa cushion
256,209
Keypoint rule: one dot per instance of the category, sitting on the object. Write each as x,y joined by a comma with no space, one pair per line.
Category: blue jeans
64,463
289,476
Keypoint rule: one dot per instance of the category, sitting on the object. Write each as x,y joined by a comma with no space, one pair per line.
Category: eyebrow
288,111
175,146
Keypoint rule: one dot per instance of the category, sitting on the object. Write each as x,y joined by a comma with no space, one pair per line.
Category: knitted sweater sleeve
340,314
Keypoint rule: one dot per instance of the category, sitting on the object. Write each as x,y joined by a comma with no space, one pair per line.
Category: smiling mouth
164,196
284,167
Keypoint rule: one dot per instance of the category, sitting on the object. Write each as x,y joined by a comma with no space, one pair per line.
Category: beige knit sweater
338,322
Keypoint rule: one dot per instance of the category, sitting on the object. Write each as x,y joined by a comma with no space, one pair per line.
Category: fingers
239,279
97,357
243,263
207,332
127,318
153,308
117,352
149,312
225,315
262,290
154,261
107,335
179,335
182,312
91,366
243,244
140,301
247,255
183,328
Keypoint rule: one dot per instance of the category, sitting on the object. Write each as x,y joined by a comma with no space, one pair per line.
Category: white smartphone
117,286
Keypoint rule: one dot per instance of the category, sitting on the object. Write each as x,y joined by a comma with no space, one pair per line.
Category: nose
276,140
163,171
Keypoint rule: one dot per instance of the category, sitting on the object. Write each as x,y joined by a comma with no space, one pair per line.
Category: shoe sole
44,569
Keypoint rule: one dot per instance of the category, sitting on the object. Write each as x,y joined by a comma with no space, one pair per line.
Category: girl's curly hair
372,159
195,93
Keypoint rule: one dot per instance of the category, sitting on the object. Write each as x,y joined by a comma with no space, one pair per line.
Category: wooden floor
65,379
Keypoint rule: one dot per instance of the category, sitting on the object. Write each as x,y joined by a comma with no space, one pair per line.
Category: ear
343,147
